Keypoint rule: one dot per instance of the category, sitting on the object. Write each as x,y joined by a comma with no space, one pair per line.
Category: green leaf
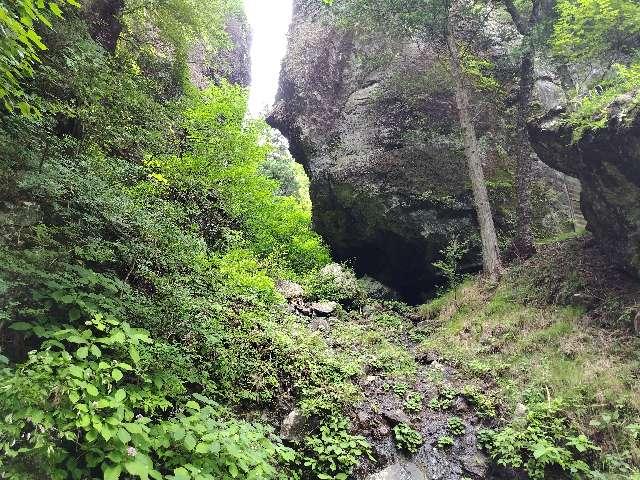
116,374
55,8
193,405
120,395
91,390
181,474
95,351
138,468
21,326
135,356
189,442
133,427
82,353
123,435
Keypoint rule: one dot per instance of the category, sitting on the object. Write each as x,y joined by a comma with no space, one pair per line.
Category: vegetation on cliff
165,303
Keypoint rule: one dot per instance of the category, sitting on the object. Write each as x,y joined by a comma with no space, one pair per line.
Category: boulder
394,417
606,163
324,309
400,471
295,426
320,324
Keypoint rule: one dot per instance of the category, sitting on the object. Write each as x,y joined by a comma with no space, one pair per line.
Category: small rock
320,324
289,290
399,471
476,464
363,417
427,358
460,405
324,309
295,426
370,379
396,416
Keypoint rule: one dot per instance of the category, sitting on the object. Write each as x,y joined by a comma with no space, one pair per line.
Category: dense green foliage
140,246
20,44
145,225
605,33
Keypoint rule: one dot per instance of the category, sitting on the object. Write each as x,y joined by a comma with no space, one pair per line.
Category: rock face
607,163
389,181
382,196
103,20
232,63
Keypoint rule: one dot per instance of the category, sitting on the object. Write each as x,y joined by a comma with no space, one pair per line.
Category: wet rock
460,405
476,464
320,324
381,430
289,290
324,309
295,426
396,416
400,471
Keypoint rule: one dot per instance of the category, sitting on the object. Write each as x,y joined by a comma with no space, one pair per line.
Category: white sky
269,21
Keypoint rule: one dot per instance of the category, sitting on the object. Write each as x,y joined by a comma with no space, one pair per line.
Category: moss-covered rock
606,160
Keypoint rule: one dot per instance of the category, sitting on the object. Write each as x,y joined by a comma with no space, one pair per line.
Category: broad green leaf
112,472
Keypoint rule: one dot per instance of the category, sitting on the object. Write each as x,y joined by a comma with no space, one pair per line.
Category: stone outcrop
607,163
232,63
379,142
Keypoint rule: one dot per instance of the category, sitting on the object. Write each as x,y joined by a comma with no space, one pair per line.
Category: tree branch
521,24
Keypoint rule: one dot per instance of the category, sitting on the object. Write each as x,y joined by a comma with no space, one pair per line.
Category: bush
543,441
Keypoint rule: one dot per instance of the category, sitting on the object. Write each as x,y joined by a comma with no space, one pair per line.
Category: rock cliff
607,163
374,124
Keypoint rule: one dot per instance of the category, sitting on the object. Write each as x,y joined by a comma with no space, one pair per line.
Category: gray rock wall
374,124
607,162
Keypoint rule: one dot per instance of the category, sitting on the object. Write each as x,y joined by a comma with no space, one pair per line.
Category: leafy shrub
80,405
456,426
444,441
444,399
407,438
334,453
544,441
413,402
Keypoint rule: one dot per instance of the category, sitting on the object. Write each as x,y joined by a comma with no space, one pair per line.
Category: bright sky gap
269,20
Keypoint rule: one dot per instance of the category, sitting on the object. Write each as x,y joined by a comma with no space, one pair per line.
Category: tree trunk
490,250
523,243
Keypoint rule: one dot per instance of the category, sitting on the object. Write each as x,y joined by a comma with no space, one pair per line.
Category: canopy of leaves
20,44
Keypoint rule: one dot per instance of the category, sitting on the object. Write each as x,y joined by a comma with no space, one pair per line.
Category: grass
516,350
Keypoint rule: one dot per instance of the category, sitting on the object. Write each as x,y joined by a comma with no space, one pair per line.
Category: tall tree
439,23
523,242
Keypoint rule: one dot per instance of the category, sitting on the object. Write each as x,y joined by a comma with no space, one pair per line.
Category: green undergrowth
532,356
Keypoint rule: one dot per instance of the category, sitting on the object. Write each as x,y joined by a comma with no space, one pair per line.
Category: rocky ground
456,366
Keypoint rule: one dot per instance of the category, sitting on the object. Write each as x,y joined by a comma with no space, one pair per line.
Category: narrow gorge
195,288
